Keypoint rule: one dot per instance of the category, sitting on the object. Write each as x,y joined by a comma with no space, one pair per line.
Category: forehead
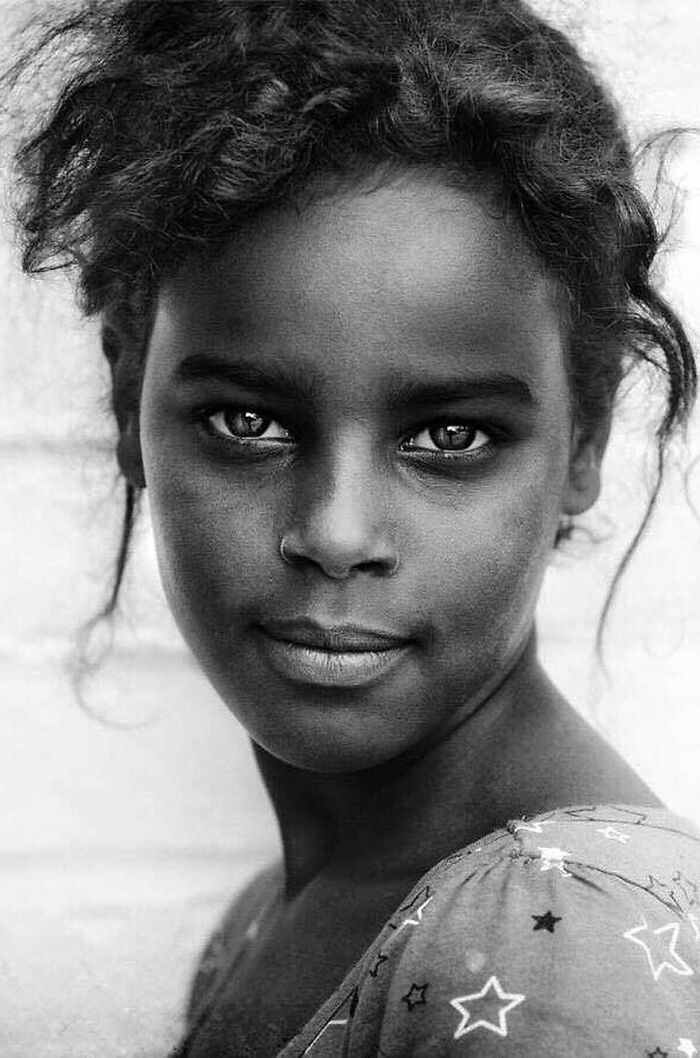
407,277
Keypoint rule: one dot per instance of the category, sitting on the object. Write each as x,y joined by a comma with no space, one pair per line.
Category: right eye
245,425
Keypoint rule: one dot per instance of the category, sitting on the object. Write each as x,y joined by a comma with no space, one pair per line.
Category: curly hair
178,119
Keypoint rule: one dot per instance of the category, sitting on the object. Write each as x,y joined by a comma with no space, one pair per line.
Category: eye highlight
252,428
450,439
244,425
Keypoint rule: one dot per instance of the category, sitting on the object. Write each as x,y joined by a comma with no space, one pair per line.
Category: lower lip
330,668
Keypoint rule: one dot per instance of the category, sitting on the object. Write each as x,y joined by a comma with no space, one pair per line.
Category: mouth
307,652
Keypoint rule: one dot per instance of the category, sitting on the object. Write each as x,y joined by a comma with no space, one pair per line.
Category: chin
333,744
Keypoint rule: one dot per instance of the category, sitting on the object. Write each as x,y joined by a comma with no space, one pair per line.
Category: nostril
339,563
383,566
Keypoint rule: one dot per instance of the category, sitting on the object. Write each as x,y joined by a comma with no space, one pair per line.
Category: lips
332,656
347,638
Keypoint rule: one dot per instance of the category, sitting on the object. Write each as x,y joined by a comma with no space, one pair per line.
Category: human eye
450,440
244,426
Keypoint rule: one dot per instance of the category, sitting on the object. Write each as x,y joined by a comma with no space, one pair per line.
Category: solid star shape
534,828
546,921
687,1047
417,917
678,965
415,997
611,834
552,857
490,994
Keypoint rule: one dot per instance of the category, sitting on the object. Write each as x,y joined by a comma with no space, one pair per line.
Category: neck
402,816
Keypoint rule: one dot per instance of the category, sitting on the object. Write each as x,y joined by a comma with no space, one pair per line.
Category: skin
412,283
355,294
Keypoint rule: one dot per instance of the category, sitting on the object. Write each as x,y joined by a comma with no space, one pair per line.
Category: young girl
370,276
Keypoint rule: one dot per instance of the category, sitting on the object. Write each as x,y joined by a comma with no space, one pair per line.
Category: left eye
241,424
449,437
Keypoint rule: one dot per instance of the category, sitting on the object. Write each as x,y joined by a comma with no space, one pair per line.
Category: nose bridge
341,510
343,491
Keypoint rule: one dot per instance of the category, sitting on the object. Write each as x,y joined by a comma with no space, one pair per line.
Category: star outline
674,928
501,1029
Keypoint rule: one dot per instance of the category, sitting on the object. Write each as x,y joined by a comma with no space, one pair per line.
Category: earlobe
583,486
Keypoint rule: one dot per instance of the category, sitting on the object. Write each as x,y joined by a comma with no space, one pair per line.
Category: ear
125,365
587,451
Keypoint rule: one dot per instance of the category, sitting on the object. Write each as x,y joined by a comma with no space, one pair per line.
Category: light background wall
122,838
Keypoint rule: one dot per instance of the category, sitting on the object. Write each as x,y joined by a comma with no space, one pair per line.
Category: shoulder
577,932
237,926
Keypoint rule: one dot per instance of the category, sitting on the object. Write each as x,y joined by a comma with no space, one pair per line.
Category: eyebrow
283,380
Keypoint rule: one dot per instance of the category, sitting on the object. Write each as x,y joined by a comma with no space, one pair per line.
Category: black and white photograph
350,536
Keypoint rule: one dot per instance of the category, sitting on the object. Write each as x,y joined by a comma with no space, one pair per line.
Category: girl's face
379,381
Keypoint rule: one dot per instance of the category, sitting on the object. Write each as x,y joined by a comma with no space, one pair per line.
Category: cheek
492,557
212,543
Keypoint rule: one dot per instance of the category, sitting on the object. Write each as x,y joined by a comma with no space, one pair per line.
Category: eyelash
205,415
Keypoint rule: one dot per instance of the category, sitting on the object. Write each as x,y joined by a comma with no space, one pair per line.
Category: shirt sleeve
580,938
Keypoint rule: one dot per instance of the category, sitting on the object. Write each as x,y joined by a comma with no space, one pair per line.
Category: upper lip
346,637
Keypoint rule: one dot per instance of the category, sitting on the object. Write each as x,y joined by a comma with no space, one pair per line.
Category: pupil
247,424
452,436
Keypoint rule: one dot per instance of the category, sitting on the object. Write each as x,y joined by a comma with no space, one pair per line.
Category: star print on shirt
419,898
586,813
533,828
663,892
546,921
685,889
611,834
553,858
687,1047
337,1021
594,814
630,815
415,997
417,917
666,949
490,1000
381,958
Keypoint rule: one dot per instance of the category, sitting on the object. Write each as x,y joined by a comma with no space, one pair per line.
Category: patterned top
573,932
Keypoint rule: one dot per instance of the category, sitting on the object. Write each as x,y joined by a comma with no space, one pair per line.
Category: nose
340,522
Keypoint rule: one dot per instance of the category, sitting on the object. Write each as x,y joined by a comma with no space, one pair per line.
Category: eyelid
493,433
436,424
441,456
204,416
